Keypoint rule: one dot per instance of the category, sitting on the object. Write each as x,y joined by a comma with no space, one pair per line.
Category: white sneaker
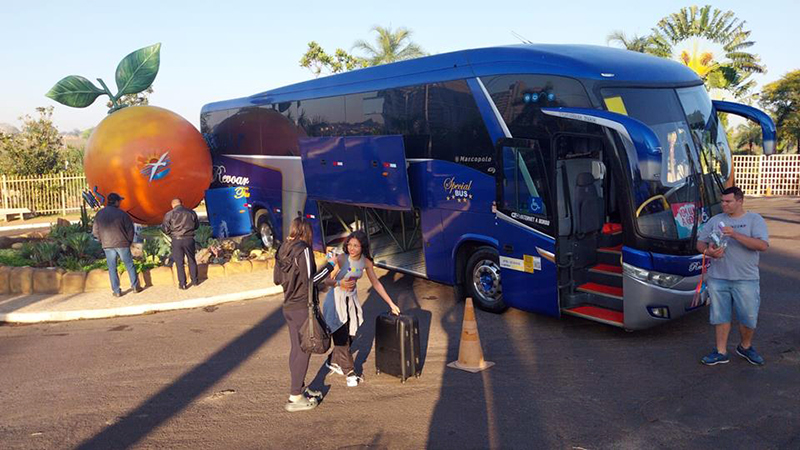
353,380
302,404
334,368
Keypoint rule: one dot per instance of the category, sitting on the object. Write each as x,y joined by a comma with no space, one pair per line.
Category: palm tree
747,134
701,63
730,72
390,46
641,44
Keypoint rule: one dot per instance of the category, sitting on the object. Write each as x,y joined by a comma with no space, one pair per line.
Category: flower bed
69,260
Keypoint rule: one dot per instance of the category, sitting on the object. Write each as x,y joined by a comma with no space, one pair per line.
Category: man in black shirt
180,225
114,229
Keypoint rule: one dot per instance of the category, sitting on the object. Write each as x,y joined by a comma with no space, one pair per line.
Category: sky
215,50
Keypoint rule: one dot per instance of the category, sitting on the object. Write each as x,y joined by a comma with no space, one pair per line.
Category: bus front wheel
482,277
264,229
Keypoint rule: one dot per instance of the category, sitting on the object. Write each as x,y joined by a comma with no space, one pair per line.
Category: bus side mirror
768,130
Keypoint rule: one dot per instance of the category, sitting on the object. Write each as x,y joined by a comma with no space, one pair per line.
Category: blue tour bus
557,179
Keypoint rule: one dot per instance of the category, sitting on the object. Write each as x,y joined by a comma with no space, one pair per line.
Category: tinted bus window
456,127
519,99
209,124
322,116
364,114
438,120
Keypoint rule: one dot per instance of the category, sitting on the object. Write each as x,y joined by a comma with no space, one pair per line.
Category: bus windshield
667,185
708,132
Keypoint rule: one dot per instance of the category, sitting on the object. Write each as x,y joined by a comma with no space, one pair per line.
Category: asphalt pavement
217,377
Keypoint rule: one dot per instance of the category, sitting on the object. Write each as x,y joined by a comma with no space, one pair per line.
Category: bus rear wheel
482,277
264,229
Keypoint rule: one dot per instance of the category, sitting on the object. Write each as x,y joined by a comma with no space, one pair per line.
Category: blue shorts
742,295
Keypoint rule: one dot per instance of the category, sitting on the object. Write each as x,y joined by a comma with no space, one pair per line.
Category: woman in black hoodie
294,270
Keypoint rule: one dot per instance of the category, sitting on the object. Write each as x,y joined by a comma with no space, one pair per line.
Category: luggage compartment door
359,170
229,211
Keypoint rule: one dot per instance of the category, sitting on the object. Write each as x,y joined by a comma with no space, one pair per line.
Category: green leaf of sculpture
75,91
137,71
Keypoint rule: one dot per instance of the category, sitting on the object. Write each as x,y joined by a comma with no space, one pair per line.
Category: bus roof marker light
607,75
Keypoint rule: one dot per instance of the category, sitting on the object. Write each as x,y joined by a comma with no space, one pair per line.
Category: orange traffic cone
470,354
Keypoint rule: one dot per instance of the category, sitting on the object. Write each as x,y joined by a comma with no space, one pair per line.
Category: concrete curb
136,310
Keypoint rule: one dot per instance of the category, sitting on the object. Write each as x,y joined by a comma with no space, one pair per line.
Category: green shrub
249,243
10,257
26,251
70,262
59,233
202,236
46,253
96,264
82,245
86,221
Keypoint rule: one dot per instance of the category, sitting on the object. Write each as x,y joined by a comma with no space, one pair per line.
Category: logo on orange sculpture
154,167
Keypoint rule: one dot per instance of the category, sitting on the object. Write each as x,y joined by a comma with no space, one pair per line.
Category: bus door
524,225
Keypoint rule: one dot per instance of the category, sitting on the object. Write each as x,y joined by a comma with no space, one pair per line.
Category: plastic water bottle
333,254
718,237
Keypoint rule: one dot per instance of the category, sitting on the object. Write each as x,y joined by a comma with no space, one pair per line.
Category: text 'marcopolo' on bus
557,179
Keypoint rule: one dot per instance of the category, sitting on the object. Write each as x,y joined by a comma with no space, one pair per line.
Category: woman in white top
342,309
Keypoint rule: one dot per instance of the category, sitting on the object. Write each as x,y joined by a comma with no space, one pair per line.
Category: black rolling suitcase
397,346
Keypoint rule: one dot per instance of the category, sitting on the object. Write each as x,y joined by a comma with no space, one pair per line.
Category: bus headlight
664,280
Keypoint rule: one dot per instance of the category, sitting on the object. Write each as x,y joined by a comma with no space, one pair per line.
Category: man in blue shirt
733,240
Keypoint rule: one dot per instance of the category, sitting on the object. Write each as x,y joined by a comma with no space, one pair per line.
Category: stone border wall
29,280
51,280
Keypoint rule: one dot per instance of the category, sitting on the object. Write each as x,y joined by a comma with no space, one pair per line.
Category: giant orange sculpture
149,155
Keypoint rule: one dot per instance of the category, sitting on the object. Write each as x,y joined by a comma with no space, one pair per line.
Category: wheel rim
486,281
266,235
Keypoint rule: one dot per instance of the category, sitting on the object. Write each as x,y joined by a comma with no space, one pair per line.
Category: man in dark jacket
114,229
180,225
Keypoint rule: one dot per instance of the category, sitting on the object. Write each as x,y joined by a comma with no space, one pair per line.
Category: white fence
47,194
768,175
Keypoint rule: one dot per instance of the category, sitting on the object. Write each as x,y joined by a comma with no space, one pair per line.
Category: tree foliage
747,137
318,61
35,150
642,44
732,72
390,46
140,98
782,99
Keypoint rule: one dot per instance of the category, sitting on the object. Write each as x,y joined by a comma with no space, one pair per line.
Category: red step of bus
615,249
601,289
612,228
607,268
608,316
